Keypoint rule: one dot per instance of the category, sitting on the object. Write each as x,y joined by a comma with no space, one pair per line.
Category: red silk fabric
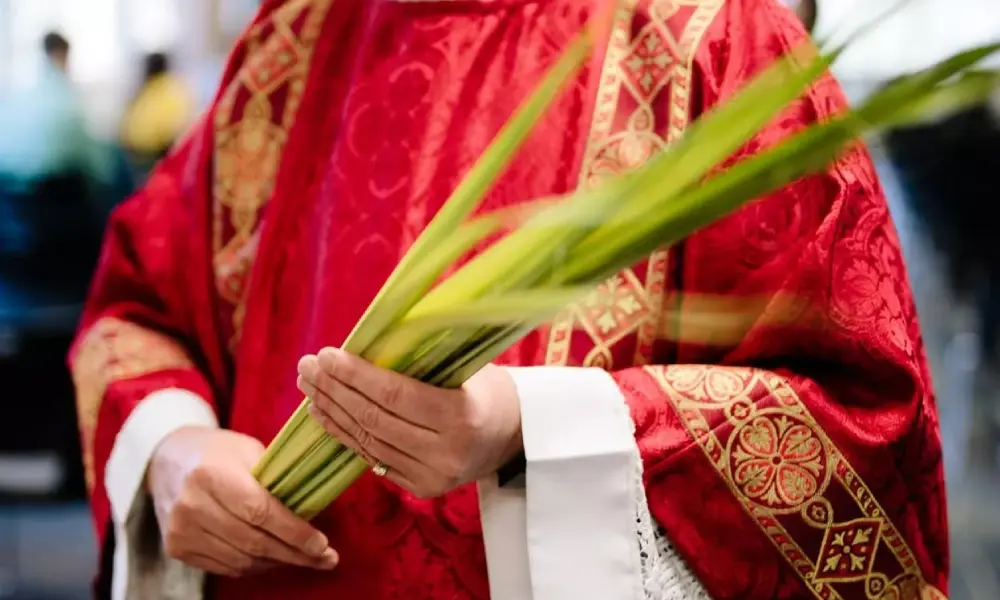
802,461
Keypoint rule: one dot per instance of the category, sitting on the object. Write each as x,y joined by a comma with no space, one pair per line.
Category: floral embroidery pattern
778,460
772,453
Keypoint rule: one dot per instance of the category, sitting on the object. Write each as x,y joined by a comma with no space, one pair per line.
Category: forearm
135,386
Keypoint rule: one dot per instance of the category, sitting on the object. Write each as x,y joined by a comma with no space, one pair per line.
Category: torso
374,121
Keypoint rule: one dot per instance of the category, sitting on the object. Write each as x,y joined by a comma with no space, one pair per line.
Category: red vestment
796,463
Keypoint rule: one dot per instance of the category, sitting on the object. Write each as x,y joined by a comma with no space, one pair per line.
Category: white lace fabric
665,575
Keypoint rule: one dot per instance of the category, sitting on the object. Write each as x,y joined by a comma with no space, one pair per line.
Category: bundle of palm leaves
443,332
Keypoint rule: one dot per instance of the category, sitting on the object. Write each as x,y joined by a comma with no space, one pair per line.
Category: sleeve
799,457
141,361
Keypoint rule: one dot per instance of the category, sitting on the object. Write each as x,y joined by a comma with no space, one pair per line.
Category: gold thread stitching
654,59
747,398
115,350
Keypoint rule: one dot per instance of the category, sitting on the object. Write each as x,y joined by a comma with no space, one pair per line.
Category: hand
432,440
216,517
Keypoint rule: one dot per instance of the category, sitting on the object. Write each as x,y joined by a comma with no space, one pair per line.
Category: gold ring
380,469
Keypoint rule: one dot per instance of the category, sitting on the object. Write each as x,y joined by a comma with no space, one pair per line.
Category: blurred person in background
44,128
54,178
798,462
158,114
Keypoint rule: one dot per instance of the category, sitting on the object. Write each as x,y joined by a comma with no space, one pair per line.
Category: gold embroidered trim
115,350
636,71
252,122
783,468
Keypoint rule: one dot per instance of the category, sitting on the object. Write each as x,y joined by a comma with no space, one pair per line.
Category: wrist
168,455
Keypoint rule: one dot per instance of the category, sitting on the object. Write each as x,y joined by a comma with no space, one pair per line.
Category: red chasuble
802,461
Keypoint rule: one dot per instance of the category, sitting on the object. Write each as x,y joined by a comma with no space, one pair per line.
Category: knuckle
369,417
392,393
201,476
256,510
364,438
471,418
256,545
185,507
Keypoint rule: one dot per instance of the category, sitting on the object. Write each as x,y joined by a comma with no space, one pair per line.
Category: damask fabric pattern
347,124
824,248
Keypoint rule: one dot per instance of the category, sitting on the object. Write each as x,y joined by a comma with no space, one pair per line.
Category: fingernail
330,558
318,545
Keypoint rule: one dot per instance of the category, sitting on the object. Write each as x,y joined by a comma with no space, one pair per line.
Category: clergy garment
798,459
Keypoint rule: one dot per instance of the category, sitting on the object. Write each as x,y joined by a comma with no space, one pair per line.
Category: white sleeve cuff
157,416
136,563
581,527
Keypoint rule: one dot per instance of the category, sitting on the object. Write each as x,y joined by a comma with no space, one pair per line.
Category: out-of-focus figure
158,114
44,127
54,184
52,176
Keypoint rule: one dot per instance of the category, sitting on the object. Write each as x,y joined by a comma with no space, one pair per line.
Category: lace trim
665,575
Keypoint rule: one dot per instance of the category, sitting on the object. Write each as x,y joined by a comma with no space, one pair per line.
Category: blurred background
92,92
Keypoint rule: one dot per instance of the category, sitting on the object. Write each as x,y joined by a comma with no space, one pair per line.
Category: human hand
215,516
432,440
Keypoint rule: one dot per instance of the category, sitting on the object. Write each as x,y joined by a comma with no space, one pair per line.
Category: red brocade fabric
802,461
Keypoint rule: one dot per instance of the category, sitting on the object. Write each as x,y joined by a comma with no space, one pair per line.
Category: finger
211,565
405,480
381,422
260,544
329,394
257,523
214,547
341,426
407,398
